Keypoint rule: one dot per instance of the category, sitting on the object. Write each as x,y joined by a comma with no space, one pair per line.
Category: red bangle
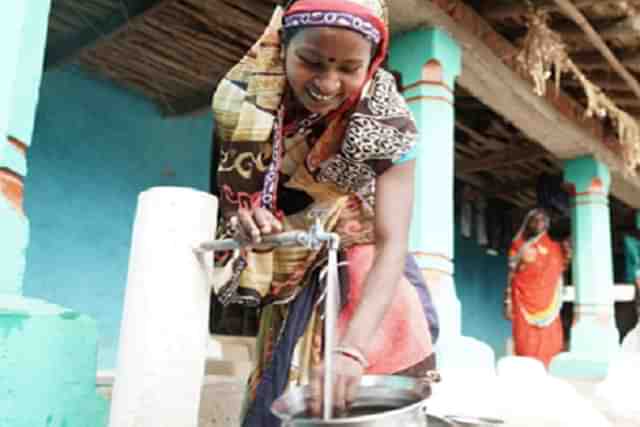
353,354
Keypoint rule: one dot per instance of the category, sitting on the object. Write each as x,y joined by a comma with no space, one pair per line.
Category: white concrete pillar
164,331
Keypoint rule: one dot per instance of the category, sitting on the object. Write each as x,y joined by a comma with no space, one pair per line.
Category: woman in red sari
534,294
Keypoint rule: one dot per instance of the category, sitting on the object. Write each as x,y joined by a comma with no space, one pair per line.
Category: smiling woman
326,66
308,124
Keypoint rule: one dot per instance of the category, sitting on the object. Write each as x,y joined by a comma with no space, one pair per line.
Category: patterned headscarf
310,13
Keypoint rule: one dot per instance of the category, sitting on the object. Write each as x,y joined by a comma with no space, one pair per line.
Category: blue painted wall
480,282
95,148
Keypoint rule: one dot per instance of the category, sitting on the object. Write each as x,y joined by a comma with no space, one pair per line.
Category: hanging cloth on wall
466,200
498,219
481,221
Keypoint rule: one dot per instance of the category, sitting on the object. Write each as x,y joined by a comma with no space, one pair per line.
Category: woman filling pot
308,125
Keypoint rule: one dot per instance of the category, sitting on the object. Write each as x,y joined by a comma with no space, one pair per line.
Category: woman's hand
529,255
508,310
252,224
567,249
347,373
508,303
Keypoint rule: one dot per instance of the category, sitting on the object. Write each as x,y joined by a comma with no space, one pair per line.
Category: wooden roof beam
512,187
74,44
501,159
625,101
556,121
490,143
595,61
602,80
485,186
503,11
573,13
607,30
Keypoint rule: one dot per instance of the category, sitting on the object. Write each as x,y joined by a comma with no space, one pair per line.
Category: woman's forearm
378,292
393,208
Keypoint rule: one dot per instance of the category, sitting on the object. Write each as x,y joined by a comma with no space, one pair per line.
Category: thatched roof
175,51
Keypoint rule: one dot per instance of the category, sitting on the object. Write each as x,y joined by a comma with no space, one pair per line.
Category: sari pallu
536,294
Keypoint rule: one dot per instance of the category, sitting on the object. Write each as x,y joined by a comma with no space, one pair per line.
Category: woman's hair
288,34
288,3
532,217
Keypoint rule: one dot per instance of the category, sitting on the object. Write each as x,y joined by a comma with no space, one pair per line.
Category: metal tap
313,239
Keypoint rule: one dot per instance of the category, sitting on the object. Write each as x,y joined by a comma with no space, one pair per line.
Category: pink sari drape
403,338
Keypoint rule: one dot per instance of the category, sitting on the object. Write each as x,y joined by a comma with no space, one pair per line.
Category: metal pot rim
411,390
469,420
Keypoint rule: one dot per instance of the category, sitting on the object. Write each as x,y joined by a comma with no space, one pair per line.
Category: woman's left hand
568,250
347,373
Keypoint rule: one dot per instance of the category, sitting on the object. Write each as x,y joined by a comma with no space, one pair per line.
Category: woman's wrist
352,353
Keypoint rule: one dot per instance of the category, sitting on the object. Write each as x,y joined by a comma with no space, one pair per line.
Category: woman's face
537,223
325,66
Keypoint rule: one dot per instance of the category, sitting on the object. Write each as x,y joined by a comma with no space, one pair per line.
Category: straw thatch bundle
543,54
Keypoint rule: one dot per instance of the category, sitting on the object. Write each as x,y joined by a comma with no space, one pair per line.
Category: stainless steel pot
469,421
384,400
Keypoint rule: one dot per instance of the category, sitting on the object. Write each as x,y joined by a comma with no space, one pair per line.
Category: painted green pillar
47,353
594,337
14,227
429,61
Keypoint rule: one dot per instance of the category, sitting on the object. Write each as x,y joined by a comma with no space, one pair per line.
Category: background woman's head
538,222
330,49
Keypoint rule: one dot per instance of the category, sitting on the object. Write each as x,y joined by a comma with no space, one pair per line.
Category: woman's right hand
252,224
346,379
508,310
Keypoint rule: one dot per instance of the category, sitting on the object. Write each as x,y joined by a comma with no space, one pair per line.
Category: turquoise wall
95,148
480,282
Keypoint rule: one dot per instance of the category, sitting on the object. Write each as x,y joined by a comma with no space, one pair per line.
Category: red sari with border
536,294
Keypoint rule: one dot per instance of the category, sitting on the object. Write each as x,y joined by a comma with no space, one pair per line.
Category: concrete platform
588,390
229,364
